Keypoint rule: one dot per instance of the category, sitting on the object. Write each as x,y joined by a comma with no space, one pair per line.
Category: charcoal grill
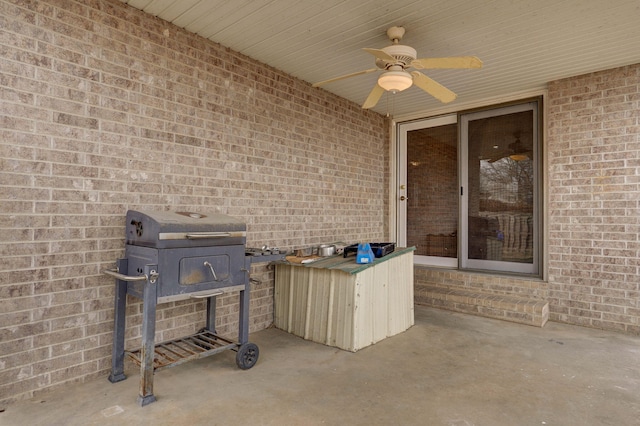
171,256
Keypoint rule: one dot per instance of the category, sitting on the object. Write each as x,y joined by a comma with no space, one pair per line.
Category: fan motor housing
402,54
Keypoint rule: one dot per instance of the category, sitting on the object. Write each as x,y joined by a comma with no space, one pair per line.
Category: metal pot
325,250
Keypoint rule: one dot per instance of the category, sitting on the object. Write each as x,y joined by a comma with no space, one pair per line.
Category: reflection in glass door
429,186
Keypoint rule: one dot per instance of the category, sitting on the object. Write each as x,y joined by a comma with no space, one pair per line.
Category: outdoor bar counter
337,302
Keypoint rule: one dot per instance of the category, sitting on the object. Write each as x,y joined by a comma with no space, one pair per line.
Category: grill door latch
213,272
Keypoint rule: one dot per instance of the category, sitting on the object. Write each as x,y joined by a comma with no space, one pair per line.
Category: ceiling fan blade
433,88
380,54
373,97
451,62
342,77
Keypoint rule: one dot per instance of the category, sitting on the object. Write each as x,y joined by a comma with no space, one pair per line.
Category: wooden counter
340,303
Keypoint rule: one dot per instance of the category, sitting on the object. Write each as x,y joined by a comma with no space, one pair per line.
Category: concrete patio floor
448,369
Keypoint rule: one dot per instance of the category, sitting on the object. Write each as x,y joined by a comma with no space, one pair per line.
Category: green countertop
348,264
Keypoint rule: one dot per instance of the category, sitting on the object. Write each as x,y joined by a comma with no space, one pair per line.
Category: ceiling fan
517,151
396,59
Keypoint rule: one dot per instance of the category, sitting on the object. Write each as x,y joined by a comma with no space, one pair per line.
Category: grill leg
147,351
243,326
117,356
211,314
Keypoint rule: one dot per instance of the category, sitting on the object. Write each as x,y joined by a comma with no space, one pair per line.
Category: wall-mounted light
395,81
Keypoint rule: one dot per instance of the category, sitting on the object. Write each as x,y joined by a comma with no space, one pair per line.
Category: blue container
364,254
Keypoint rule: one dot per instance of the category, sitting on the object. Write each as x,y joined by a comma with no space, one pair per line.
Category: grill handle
204,296
213,272
202,235
153,276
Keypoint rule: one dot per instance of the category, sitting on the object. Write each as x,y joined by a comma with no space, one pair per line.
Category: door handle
403,198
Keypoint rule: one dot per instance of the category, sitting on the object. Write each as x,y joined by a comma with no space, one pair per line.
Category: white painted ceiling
523,43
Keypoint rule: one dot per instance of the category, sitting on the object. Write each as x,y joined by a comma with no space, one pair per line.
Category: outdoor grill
171,256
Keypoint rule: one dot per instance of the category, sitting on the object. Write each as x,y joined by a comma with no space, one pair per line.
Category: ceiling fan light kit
394,60
519,157
395,81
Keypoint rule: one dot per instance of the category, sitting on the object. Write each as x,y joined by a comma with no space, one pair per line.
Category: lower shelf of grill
175,352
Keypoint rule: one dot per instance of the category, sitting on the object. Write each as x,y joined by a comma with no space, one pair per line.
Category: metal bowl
326,250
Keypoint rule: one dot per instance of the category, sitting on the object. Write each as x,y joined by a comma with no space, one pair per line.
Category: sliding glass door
469,189
499,189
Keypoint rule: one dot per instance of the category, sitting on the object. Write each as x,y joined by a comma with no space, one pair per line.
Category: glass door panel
430,188
500,200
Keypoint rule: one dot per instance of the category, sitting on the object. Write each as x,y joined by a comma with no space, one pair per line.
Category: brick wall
594,199
105,109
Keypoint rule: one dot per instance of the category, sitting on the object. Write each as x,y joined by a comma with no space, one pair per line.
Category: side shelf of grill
175,352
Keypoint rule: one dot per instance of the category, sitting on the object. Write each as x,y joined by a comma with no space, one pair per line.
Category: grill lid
161,229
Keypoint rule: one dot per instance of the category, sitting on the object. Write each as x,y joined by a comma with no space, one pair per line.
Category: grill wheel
247,355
